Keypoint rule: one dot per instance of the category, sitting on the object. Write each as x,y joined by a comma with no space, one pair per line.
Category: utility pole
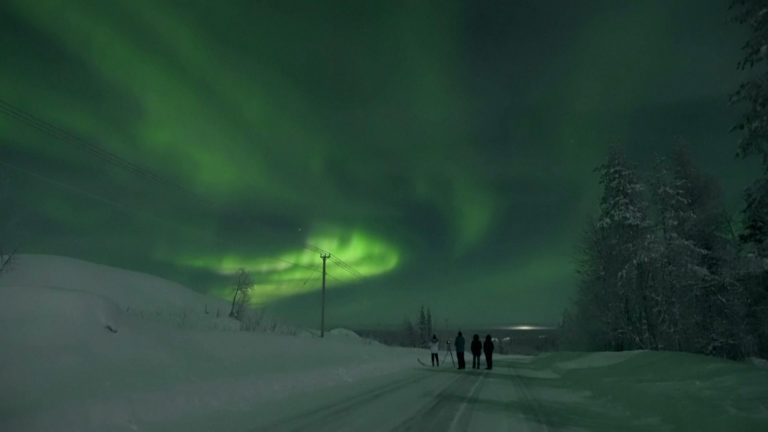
322,308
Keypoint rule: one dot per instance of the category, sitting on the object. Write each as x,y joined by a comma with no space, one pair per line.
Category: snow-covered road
424,399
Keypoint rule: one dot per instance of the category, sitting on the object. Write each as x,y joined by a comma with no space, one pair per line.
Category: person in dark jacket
488,349
476,347
459,344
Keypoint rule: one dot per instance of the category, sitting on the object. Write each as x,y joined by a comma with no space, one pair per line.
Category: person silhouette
459,344
488,349
477,348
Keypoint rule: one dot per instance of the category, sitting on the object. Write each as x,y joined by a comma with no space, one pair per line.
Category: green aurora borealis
444,150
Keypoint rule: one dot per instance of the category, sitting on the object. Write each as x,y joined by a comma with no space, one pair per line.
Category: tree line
662,267
418,334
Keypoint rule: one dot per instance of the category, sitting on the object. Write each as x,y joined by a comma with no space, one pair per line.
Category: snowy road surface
426,399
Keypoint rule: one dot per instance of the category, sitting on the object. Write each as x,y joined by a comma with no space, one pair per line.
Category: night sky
443,150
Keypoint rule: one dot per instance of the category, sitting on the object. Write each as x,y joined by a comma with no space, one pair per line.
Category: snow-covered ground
93,348
89,347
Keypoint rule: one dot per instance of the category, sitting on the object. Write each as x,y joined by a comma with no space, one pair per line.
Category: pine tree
422,326
661,268
612,307
620,236
754,261
753,92
754,124
677,260
754,141
755,217
429,324
587,325
410,334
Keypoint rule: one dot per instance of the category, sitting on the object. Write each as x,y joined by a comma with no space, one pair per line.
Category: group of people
476,347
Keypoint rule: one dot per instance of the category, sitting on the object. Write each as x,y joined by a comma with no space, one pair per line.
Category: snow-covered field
89,347
93,348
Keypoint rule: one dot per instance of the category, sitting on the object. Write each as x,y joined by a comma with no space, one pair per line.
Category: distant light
526,327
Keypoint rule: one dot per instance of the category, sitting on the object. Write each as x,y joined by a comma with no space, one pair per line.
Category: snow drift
79,353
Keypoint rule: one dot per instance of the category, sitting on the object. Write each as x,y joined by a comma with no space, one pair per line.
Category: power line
79,191
101,153
348,268
313,277
126,209
94,149
336,260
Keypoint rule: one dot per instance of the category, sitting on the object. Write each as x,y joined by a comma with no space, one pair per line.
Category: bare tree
242,293
6,259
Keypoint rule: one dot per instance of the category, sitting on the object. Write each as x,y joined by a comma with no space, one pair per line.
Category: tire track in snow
326,415
447,410
534,412
471,401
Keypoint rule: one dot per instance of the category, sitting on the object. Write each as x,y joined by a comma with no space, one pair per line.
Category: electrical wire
101,153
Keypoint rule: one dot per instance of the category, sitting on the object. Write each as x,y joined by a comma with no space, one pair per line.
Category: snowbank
757,361
129,289
76,358
350,336
598,359
652,390
143,295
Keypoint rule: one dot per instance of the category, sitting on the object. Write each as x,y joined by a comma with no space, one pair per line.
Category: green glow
180,129
298,271
465,134
474,206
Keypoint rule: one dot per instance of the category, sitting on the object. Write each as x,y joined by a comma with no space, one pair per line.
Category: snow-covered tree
755,231
754,124
587,324
611,310
622,230
753,94
754,260
658,268
672,258
696,298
